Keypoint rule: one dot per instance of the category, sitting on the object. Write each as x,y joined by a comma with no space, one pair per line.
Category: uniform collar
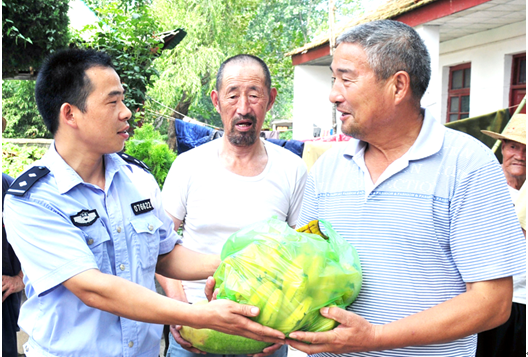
428,142
67,178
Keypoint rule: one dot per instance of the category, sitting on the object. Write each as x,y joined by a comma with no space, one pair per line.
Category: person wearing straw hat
513,150
509,339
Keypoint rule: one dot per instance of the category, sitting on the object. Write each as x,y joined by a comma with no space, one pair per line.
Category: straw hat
515,130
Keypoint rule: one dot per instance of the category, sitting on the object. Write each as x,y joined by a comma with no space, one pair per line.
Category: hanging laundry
294,146
329,138
275,134
190,135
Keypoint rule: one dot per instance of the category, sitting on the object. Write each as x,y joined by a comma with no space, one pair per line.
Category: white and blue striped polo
439,217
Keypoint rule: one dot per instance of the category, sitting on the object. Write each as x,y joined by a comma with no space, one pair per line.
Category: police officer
88,227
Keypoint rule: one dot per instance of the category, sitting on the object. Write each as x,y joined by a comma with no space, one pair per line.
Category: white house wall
431,37
311,88
490,53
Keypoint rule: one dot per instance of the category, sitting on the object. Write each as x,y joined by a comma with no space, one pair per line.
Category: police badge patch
84,218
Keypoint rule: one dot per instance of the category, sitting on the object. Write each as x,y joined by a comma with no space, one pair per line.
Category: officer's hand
232,318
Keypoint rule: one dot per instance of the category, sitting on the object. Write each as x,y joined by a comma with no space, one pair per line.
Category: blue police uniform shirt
63,226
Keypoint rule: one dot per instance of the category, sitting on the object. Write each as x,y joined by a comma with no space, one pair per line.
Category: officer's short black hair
62,79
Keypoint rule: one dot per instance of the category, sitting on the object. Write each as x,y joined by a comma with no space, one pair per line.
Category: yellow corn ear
312,227
271,309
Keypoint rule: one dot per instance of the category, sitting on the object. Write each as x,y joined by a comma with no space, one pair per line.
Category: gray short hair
392,46
244,59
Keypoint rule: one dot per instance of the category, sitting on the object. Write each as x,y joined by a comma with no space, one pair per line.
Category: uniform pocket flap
147,224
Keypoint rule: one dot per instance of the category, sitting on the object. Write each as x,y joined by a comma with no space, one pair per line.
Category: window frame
458,93
515,86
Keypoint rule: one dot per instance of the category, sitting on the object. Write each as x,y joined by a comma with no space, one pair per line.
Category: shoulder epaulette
133,160
23,183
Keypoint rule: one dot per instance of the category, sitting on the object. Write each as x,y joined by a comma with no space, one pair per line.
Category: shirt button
118,229
150,227
90,241
122,267
131,344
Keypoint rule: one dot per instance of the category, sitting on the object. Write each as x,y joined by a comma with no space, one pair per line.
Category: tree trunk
183,109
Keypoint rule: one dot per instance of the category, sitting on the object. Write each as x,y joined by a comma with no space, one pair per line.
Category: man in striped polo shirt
426,207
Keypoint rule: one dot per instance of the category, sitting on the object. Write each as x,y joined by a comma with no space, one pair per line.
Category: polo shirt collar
428,142
430,139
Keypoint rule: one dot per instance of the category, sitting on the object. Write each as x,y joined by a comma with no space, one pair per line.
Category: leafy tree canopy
31,30
127,33
186,73
218,29
182,78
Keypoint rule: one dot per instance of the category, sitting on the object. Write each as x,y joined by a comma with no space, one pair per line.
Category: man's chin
242,140
352,132
517,172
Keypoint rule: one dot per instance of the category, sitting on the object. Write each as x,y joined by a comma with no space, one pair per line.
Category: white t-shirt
214,202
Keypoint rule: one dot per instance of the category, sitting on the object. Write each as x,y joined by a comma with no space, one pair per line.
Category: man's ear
402,86
214,99
67,115
273,96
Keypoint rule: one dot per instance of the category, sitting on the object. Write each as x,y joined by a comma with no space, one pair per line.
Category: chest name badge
142,206
84,218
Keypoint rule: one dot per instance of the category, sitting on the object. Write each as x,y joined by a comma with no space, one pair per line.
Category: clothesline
152,112
159,115
184,117
165,106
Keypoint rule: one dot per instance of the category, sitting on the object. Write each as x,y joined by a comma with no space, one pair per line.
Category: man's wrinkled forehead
242,65
246,71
